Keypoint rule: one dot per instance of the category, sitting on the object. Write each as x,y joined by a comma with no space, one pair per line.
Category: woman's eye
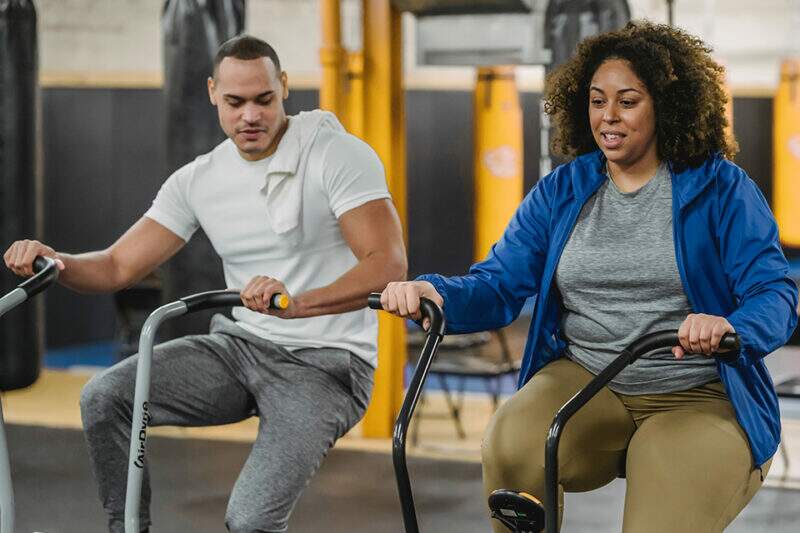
597,101
628,103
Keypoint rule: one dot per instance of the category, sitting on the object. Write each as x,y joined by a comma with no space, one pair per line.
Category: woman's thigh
689,469
592,446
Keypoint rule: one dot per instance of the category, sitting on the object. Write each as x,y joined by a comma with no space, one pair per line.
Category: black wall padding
20,338
192,32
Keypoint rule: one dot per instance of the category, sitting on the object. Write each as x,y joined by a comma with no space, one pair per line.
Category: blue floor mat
102,354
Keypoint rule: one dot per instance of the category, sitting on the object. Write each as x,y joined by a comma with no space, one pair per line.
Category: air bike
141,418
46,273
520,512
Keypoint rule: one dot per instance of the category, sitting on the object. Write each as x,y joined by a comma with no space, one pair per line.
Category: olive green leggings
687,461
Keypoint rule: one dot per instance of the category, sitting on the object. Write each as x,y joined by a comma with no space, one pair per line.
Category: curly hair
685,83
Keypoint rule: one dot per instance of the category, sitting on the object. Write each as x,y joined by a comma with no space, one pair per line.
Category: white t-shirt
226,196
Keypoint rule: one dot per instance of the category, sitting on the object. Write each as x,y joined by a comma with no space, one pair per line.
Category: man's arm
142,248
375,236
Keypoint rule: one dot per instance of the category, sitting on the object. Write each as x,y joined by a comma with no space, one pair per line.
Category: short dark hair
685,82
246,47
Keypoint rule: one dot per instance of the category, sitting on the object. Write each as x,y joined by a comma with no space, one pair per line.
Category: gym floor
194,469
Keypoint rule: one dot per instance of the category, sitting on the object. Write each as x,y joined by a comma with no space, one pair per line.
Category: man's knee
256,522
101,398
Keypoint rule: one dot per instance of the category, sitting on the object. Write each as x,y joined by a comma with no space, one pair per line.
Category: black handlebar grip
211,299
429,310
227,298
374,301
46,272
730,341
669,338
39,264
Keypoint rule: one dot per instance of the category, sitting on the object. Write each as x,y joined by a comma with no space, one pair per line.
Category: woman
649,227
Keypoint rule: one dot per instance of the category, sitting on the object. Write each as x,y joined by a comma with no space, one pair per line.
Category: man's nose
251,113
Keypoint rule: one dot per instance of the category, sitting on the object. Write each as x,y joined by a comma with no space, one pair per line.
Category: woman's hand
701,333
401,298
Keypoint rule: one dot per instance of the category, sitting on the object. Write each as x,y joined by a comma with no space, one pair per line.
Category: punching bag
21,341
192,32
566,23
498,155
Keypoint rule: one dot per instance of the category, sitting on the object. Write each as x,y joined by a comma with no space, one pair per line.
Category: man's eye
234,103
265,101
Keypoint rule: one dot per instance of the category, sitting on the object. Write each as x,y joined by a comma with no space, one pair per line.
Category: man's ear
211,95
285,84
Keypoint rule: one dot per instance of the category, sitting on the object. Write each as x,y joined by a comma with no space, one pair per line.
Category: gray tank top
618,280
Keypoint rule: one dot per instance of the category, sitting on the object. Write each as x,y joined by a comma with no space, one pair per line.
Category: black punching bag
568,22
20,338
192,31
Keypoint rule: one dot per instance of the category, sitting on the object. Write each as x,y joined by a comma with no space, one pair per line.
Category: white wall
117,42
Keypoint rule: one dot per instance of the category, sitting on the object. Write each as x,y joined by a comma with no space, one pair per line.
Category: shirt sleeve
352,174
171,206
756,267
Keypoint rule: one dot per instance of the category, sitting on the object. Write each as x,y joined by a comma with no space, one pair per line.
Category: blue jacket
729,258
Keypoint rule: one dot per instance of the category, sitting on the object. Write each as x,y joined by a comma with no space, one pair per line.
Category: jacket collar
687,183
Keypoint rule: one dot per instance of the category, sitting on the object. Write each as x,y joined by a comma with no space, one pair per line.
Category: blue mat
102,354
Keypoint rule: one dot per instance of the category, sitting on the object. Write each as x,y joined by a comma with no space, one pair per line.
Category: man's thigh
688,470
190,383
305,403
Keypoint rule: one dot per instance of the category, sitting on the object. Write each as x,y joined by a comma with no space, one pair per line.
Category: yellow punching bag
786,146
498,155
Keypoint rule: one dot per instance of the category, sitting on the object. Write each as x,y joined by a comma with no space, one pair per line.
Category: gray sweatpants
305,400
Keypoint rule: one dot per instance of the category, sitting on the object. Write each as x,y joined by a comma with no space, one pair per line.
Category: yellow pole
498,154
385,131
786,153
331,56
354,94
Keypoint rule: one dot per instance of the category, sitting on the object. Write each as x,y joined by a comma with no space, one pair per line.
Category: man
293,205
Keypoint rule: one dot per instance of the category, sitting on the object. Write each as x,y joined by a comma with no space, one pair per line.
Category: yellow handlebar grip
279,301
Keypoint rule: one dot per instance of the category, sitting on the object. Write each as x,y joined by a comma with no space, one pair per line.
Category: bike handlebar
46,273
429,309
227,298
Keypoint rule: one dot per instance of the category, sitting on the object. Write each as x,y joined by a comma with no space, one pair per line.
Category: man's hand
402,298
701,333
257,294
20,256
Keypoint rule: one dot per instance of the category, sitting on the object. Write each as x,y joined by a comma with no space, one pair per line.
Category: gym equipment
514,509
434,314
20,180
519,511
46,273
141,418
